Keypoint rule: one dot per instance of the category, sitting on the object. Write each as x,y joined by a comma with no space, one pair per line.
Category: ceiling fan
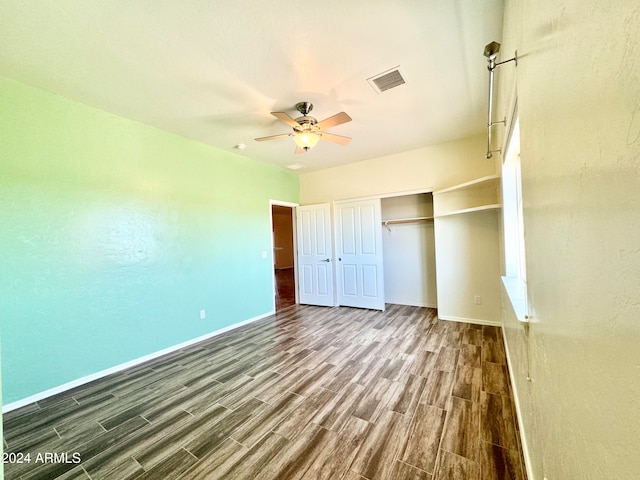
307,130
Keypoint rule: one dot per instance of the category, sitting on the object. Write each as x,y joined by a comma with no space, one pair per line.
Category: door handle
326,260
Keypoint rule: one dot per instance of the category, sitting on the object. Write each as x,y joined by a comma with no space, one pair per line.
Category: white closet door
360,278
315,272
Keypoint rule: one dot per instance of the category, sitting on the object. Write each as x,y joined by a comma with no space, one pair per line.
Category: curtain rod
491,52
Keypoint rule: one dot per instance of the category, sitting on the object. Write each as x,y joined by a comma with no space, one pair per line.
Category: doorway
283,256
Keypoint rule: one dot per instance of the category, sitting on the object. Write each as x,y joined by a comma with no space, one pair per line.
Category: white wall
578,84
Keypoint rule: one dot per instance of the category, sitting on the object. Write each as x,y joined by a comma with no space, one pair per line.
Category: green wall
114,235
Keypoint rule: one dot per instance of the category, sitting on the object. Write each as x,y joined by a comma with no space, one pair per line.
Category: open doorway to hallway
283,256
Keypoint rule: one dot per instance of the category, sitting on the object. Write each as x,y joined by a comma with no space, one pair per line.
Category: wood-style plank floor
309,393
285,288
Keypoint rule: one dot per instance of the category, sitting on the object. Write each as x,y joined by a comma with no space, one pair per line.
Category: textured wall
578,85
115,235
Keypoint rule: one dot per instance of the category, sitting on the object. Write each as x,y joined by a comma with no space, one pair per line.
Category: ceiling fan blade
337,119
300,150
339,139
284,117
273,137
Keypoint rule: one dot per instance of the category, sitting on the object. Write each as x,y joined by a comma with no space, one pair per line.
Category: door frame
293,207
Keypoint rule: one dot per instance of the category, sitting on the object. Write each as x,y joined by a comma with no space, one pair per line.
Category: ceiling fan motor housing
304,107
306,122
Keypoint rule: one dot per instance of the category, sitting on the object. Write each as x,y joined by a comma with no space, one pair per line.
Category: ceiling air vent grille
387,80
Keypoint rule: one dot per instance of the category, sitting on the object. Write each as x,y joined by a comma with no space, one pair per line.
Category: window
515,279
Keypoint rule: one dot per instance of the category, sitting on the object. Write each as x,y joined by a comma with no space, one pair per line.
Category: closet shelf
482,182
473,196
493,206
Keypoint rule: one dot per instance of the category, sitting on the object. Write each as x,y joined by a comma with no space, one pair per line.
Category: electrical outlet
203,314
477,299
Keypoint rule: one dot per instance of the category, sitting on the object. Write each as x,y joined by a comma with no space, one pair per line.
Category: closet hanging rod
491,52
386,223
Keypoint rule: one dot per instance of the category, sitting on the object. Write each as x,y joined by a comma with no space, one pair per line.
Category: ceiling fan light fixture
306,140
307,131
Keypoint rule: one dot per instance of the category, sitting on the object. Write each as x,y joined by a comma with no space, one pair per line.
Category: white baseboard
123,366
478,321
516,400
412,304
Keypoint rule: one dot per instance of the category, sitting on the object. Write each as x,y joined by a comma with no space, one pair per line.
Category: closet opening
408,242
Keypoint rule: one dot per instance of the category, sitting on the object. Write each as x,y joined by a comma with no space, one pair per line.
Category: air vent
387,80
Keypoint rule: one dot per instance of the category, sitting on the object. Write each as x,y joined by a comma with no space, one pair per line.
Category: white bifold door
360,279
315,255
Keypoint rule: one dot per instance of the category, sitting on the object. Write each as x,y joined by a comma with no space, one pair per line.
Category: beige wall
578,83
426,168
468,265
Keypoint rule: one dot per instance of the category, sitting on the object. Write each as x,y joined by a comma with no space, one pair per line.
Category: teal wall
114,235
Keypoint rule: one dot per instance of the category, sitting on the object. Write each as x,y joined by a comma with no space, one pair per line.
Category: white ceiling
213,70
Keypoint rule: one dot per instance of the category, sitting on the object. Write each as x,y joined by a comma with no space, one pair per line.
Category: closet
408,244
439,250
468,261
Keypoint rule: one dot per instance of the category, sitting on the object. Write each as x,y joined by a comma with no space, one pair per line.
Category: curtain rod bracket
514,59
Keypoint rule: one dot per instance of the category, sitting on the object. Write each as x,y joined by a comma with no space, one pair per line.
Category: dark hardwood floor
285,288
309,393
